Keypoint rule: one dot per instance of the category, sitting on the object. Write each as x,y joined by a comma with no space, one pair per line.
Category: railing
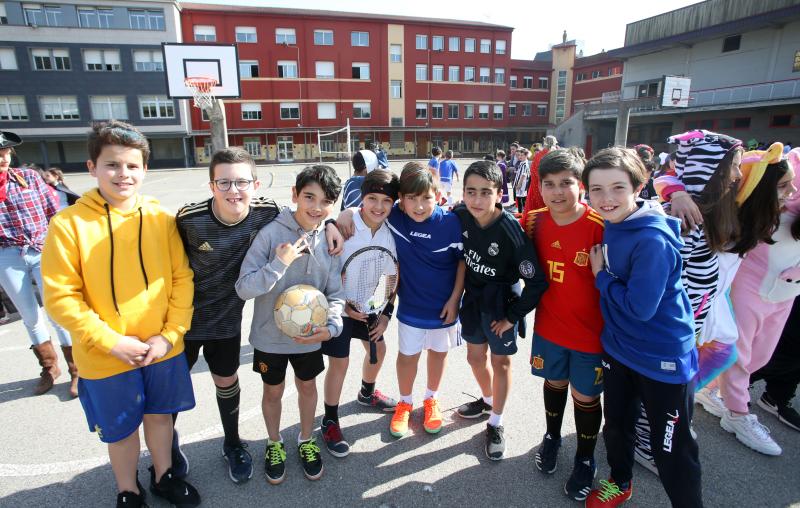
612,108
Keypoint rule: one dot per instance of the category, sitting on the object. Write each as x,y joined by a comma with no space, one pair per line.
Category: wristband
330,221
388,311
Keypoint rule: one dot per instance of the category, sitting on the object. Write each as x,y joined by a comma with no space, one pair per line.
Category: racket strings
369,280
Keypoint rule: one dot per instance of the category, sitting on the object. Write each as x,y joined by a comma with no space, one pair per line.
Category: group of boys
118,275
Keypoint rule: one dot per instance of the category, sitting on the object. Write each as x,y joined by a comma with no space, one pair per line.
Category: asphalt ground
49,458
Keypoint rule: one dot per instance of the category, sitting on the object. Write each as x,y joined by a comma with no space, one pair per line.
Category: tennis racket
370,277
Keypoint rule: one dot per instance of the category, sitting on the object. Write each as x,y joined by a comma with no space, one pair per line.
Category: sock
331,413
367,388
228,405
588,416
407,399
301,441
280,440
495,420
488,400
430,394
555,400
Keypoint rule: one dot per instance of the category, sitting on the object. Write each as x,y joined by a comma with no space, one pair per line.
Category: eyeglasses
224,185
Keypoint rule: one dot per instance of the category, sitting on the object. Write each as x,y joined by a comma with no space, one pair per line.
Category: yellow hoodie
140,286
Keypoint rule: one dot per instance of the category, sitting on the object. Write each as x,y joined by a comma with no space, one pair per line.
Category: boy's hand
354,314
345,224
130,350
597,259
335,240
380,327
159,347
321,334
288,252
501,327
449,312
684,208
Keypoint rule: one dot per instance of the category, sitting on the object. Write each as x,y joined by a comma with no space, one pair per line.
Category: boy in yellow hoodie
117,278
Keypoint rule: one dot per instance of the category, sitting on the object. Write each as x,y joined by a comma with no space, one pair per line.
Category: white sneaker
750,432
711,401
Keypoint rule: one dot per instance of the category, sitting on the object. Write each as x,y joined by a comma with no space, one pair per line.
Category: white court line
77,466
13,348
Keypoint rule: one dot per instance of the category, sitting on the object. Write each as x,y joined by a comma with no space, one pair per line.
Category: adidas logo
205,247
465,234
556,245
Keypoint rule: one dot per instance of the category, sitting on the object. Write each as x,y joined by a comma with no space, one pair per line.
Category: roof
543,56
336,14
535,65
595,59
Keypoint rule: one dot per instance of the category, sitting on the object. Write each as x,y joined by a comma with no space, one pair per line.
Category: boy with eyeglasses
216,234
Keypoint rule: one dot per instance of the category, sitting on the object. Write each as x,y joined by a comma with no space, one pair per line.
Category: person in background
54,177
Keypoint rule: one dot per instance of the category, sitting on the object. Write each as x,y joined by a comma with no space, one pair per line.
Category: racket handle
373,353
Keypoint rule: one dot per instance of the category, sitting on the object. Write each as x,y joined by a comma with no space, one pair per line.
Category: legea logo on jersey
420,235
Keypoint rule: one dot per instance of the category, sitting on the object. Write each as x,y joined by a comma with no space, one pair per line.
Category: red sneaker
608,495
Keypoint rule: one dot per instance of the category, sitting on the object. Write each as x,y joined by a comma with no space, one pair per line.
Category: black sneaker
310,458
275,462
240,462
128,499
474,409
495,442
786,413
547,454
334,439
580,481
175,490
180,464
377,400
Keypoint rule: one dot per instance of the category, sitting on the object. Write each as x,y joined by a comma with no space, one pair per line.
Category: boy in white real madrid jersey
216,234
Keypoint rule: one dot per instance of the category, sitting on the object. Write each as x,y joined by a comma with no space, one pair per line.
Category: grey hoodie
263,276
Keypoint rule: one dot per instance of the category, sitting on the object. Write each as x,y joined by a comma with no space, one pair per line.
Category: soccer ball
299,309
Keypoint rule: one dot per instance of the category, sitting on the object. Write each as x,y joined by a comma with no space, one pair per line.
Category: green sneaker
275,462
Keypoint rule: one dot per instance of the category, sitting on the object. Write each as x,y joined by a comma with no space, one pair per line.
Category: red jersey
569,311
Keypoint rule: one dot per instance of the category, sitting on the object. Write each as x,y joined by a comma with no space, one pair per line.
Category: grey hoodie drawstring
141,257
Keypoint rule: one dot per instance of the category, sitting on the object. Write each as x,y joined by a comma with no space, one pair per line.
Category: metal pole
319,146
349,150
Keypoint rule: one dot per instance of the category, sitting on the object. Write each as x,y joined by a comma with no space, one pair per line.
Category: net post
349,150
319,146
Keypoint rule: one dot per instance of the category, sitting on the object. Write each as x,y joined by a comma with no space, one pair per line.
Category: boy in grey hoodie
292,250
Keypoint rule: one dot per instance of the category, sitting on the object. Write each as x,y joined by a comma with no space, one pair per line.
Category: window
469,45
246,34
452,111
285,36
327,145
395,53
527,109
360,70
3,17
453,43
248,68
42,15
512,81
500,47
290,110
527,82
483,111
452,73
500,76
287,69
422,72
595,74
251,111
648,90
107,107
731,43
544,83
8,59
56,107
204,117
51,59
469,74
422,110
613,71
780,121
486,45
422,41
146,19
326,111
359,39
323,37
13,108
498,111
253,146
512,110
396,89
484,75
362,110
95,17
469,111
205,33
438,73
146,60
324,70
795,67
101,60
437,111
437,43
580,76
156,106
541,110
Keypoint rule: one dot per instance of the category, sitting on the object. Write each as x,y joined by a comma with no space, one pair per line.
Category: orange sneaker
399,425
433,416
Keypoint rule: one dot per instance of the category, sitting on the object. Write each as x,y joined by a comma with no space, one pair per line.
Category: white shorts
414,340
446,186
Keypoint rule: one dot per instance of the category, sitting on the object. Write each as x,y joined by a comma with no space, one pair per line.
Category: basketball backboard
676,92
218,61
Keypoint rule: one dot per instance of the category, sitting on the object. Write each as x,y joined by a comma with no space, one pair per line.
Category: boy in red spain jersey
566,342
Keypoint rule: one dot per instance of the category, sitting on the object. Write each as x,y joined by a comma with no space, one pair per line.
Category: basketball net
201,88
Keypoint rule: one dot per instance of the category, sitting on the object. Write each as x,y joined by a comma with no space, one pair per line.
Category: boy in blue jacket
648,336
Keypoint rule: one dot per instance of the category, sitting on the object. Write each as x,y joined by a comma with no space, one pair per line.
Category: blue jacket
648,318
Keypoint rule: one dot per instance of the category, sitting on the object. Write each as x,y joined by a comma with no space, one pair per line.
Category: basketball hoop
201,89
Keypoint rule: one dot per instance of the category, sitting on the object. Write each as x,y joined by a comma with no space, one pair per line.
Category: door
285,149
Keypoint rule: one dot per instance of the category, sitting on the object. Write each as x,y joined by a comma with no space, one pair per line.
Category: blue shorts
583,370
116,405
505,345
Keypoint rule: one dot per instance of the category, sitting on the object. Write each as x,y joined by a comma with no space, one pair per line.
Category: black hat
9,139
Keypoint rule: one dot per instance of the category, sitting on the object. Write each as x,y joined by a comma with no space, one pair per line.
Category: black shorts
339,347
221,355
272,366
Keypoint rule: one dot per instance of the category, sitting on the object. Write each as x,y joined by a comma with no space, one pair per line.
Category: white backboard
676,92
218,61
